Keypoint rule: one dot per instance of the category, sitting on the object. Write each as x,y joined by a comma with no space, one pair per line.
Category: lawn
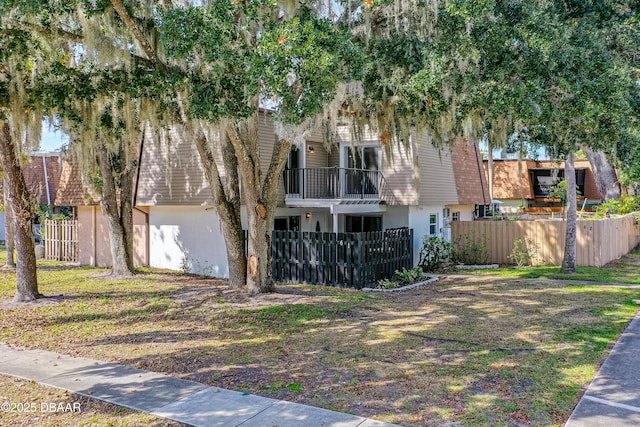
478,351
624,270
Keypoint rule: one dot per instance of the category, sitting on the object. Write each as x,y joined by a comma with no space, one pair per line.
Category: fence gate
352,260
61,240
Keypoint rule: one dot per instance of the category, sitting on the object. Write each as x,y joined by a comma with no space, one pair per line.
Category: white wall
187,234
396,217
419,221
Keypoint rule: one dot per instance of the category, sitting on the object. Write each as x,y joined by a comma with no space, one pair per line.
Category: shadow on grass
477,351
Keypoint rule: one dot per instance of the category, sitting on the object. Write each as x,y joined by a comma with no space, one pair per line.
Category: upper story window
362,157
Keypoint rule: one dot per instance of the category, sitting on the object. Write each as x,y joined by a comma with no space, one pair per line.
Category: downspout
46,180
147,254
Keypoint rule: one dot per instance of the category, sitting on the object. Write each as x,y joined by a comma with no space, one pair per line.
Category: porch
332,183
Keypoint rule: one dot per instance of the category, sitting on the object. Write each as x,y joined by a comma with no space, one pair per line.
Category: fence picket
61,240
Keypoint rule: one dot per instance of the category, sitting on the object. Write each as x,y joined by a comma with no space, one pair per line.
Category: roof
471,183
71,190
41,174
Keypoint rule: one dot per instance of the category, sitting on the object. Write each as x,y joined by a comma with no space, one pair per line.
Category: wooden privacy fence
598,241
354,260
61,240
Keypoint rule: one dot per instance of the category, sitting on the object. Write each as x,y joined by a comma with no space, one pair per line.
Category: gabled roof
471,184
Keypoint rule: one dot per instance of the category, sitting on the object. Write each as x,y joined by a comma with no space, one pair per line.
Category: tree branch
126,17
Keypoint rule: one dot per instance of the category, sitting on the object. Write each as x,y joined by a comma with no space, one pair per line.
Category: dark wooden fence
354,260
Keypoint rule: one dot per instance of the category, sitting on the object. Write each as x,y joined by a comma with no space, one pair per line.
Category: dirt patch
42,301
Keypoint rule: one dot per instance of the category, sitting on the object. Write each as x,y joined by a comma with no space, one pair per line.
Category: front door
292,173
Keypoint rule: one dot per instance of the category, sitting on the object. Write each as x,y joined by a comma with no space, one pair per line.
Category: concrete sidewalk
168,397
613,397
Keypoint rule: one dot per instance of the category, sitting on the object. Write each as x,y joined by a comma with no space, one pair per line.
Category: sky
52,140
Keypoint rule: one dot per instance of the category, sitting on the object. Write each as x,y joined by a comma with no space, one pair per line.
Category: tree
17,67
235,55
558,71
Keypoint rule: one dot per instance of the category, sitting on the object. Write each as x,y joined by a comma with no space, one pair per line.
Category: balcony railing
332,183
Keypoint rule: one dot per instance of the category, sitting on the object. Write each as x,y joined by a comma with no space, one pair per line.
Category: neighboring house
41,174
529,183
94,243
356,186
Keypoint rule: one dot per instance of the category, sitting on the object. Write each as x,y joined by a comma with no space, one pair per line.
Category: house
529,183
41,173
355,186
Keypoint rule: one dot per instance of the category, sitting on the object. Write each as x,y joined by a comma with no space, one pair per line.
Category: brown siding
510,179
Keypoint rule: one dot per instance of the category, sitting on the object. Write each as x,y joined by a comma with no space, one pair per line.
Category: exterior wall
318,216
171,172
395,217
397,166
187,235
400,175
94,244
510,180
418,219
466,211
437,184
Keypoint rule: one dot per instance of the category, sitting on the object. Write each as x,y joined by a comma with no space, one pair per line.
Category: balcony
332,183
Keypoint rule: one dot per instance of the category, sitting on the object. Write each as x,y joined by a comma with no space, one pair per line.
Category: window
433,224
359,224
455,216
287,223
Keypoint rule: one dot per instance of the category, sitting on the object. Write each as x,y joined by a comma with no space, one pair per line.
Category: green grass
618,272
481,352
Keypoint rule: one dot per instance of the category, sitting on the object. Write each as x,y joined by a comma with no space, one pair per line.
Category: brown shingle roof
471,183
72,191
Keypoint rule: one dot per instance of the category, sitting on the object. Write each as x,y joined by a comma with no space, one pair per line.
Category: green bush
523,252
401,278
622,206
435,253
470,249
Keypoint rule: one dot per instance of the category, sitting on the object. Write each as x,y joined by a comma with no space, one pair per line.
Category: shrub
435,253
401,278
406,277
622,206
523,252
470,249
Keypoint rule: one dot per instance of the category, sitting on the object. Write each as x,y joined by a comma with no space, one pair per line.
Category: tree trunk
604,173
19,201
118,215
8,226
569,261
260,199
227,197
